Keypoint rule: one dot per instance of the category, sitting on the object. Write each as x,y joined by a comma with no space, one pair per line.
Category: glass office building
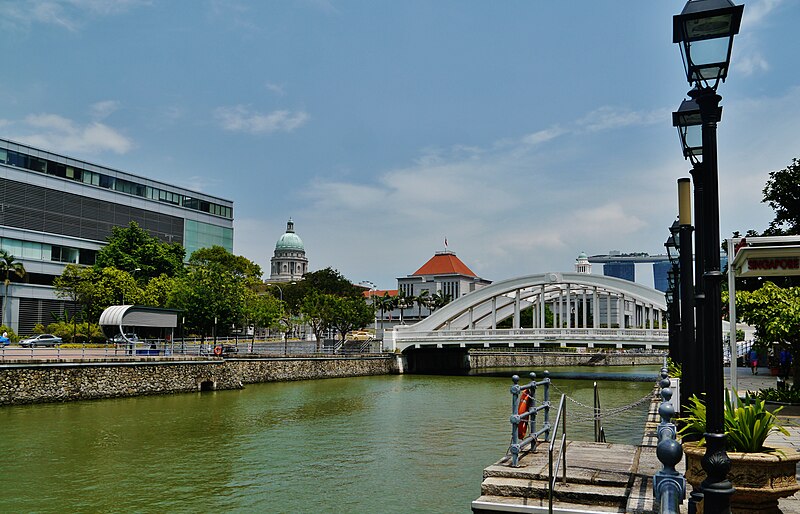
56,210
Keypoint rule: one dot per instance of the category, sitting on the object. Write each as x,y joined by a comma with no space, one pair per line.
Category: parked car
40,340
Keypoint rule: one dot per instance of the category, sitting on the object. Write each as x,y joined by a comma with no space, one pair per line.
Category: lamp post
691,358
705,31
373,289
673,302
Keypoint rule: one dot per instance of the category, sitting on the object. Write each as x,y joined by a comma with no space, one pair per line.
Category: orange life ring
522,427
217,350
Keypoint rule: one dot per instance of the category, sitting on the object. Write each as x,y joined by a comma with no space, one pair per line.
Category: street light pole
688,348
705,30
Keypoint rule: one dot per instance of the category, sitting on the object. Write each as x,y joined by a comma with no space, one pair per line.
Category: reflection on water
369,444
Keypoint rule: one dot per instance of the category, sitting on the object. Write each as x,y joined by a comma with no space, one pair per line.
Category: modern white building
56,210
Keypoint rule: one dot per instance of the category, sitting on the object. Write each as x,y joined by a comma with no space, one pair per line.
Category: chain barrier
603,412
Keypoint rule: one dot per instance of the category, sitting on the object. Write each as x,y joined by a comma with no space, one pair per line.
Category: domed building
289,262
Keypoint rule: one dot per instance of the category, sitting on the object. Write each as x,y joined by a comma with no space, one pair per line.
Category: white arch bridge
587,311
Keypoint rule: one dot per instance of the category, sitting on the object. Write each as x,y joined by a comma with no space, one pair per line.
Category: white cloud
102,110
756,11
278,89
64,135
750,64
241,119
608,117
67,14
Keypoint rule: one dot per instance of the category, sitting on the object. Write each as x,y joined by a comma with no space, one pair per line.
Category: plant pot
774,371
760,479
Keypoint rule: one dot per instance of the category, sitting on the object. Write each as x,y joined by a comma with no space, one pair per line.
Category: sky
522,132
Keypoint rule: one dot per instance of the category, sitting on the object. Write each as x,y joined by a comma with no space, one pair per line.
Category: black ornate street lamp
673,302
705,31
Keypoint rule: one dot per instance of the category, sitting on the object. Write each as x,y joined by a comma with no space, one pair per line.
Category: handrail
530,435
561,414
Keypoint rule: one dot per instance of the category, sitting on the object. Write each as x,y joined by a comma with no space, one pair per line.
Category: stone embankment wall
484,359
59,381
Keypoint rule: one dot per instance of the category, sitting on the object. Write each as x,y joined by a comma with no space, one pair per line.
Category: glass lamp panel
708,27
692,138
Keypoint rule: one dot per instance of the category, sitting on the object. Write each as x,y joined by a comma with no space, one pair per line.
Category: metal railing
182,348
524,410
669,486
552,466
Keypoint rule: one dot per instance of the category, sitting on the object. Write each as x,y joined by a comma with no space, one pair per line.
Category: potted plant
760,474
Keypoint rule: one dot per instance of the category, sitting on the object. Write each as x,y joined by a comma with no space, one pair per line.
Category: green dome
290,241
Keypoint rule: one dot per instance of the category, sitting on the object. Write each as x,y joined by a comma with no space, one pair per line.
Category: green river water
410,443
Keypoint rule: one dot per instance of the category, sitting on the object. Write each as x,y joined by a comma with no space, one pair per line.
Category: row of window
57,169
47,252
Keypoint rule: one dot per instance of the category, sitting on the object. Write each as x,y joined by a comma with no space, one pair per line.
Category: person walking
785,361
752,357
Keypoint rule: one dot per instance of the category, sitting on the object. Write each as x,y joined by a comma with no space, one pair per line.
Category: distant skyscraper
621,269
660,270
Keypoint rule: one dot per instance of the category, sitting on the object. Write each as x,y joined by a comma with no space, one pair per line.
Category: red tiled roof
444,264
378,292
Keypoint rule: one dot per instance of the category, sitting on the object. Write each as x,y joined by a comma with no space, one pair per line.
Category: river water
408,443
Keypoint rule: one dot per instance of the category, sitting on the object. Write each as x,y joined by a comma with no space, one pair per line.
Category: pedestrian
785,361
752,357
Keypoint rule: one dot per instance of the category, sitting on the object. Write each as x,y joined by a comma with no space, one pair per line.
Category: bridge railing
541,334
524,410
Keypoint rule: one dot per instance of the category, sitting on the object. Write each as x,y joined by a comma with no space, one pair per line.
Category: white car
40,340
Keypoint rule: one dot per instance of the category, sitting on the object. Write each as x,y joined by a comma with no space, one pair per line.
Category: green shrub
747,426
791,395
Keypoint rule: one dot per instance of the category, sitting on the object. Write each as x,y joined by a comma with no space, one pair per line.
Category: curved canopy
119,316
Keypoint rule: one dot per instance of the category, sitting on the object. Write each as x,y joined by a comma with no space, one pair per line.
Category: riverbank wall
498,359
62,381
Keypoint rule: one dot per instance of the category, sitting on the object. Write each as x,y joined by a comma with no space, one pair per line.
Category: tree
8,265
349,314
132,248
261,310
438,300
386,303
404,302
423,298
213,291
318,312
775,312
782,193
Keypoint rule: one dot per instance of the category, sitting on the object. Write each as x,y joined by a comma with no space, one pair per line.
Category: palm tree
386,303
404,301
9,264
439,299
423,298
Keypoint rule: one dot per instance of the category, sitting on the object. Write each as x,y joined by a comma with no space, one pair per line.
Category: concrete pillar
568,307
516,309
494,312
595,308
542,308
585,310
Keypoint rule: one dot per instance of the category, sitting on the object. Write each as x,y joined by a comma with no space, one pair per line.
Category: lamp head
705,30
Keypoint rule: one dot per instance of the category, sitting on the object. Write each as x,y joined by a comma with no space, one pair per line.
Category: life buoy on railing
217,350
522,427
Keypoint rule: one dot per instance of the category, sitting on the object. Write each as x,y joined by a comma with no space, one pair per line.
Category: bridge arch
585,308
